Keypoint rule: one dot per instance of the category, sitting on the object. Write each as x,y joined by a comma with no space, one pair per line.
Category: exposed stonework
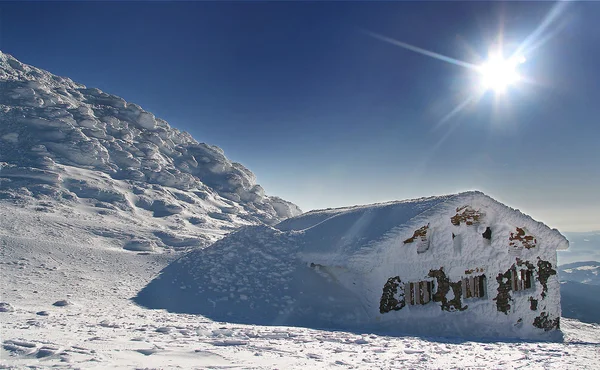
477,269
528,264
520,239
503,298
533,304
443,288
467,215
545,270
543,321
388,300
420,233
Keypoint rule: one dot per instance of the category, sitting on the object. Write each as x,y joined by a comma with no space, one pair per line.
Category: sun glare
499,73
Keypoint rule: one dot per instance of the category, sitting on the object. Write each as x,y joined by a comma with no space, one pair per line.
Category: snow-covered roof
332,236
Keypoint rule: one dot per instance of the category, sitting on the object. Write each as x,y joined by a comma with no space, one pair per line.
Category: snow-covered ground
49,257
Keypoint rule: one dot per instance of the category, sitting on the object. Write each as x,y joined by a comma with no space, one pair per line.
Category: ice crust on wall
329,269
64,143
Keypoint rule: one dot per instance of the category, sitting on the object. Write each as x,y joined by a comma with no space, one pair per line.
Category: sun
499,73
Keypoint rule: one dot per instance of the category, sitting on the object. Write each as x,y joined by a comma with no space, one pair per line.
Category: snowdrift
452,265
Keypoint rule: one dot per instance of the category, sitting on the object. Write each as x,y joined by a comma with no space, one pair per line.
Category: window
487,234
520,279
473,286
418,293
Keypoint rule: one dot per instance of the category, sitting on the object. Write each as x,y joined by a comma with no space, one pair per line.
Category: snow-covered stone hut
459,264
456,265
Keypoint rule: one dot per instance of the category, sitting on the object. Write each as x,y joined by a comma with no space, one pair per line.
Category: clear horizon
326,115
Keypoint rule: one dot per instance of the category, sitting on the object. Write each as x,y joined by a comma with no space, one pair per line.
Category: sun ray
495,74
533,38
471,98
541,41
469,49
419,50
423,163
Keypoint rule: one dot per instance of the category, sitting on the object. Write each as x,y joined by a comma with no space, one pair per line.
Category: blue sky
326,115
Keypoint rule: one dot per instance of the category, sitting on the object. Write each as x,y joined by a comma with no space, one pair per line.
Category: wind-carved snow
63,145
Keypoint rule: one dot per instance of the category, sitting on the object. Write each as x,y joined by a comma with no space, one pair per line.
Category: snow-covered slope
587,272
63,145
580,290
584,246
580,301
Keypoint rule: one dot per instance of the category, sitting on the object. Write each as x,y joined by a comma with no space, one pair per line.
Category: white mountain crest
64,144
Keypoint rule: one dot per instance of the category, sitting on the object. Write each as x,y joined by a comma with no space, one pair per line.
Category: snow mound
63,144
327,269
343,231
251,277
